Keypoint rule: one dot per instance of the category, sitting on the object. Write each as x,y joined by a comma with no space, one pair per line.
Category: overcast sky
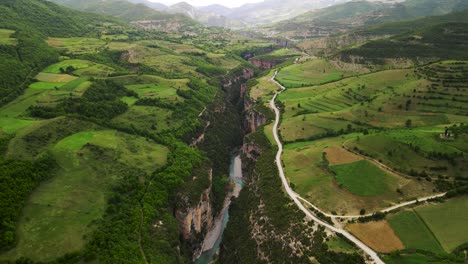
229,3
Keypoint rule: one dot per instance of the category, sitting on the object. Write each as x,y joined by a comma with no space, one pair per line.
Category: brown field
337,155
377,235
52,77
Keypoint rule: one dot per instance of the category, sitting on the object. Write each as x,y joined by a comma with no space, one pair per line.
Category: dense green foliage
21,62
17,180
100,101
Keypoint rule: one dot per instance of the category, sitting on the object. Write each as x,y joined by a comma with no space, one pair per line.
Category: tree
362,212
408,123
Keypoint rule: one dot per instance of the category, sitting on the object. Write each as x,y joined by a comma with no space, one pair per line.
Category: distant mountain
344,17
216,9
205,17
122,9
271,11
157,6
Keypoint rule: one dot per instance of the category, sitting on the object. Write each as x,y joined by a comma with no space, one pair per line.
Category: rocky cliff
193,220
264,64
252,117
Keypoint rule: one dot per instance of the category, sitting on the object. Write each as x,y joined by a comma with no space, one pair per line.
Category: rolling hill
344,17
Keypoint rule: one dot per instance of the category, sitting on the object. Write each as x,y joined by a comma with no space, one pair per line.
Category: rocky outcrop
264,64
193,220
162,25
252,118
243,75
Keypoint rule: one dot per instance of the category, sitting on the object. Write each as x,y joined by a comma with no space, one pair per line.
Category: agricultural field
148,118
414,151
376,116
377,235
80,68
48,91
347,190
413,232
264,88
363,178
447,221
149,86
77,45
433,227
5,37
311,72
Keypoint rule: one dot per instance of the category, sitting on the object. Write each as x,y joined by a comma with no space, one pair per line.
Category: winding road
295,197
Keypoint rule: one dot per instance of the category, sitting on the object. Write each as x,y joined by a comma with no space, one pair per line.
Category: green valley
132,132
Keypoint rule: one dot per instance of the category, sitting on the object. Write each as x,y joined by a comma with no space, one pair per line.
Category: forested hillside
125,10
30,22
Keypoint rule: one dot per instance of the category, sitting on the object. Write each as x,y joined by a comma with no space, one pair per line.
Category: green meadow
89,162
5,37
363,178
413,232
311,72
448,221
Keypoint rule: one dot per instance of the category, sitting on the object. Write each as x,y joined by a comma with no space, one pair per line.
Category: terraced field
311,72
378,116
80,68
77,45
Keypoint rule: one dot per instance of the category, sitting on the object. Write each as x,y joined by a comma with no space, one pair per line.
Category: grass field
149,86
155,90
264,89
338,244
413,232
448,221
312,72
60,212
148,118
305,169
77,45
409,149
363,178
415,258
82,68
337,155
18,107
5,37
377,235
55,78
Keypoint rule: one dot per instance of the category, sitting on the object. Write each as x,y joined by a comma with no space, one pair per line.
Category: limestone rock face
193,220
263,64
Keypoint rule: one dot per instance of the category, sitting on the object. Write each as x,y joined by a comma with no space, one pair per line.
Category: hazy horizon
228,3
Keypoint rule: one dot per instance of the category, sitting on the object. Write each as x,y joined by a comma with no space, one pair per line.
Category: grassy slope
90,162
447,221
363,178
413,232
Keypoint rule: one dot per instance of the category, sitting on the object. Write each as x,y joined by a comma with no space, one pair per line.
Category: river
215,235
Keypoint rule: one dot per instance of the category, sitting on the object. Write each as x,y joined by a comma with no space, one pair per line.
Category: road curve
294,196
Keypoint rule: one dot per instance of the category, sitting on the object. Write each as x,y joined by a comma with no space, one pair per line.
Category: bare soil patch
377,235
337,155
